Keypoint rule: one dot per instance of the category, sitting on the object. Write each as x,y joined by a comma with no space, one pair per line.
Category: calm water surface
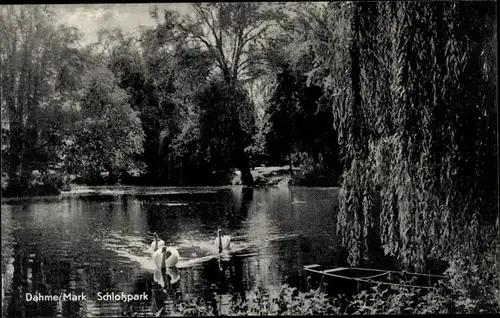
91,243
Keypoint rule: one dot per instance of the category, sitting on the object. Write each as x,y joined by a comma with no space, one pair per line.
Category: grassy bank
53,184
271,176
280,176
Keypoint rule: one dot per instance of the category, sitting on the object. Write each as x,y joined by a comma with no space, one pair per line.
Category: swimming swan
166,257
222,241
157,244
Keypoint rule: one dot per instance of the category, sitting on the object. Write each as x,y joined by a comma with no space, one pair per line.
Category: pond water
100,243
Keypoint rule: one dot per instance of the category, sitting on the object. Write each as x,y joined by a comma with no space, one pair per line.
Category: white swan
222,242
157,244
166,257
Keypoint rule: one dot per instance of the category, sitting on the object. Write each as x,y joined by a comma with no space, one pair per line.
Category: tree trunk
246,176
16,140
243,164
242,158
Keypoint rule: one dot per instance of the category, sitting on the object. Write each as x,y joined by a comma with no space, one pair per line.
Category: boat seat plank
327,274
365,275
378,275
338,269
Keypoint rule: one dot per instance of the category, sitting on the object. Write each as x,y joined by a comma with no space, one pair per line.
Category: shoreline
264,178
119,190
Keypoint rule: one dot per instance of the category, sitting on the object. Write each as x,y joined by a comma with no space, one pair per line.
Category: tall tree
160,73
108,132
222,103
38,66
315,138
403,78
281,137
233,34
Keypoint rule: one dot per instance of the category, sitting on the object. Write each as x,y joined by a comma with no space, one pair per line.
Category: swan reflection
166,277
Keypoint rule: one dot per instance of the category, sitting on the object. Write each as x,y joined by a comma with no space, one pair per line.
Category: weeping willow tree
412,87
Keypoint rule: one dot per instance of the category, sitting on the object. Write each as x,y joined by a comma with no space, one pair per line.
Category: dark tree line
169,106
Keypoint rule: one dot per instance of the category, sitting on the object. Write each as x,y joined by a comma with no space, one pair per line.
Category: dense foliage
414,104
108,131
301,131
38,66
141,109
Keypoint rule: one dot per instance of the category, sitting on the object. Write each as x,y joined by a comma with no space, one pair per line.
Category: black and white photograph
249,158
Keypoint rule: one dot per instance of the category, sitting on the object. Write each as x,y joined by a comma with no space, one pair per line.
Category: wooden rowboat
355,279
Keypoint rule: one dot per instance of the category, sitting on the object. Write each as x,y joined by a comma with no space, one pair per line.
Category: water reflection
100,243
165,278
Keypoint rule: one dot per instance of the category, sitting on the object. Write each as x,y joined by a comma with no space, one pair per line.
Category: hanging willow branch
415,126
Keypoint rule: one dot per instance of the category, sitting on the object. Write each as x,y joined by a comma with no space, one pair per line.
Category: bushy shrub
38,183
286,301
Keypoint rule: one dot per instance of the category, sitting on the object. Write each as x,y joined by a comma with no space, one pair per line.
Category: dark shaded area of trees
301,130
168,106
